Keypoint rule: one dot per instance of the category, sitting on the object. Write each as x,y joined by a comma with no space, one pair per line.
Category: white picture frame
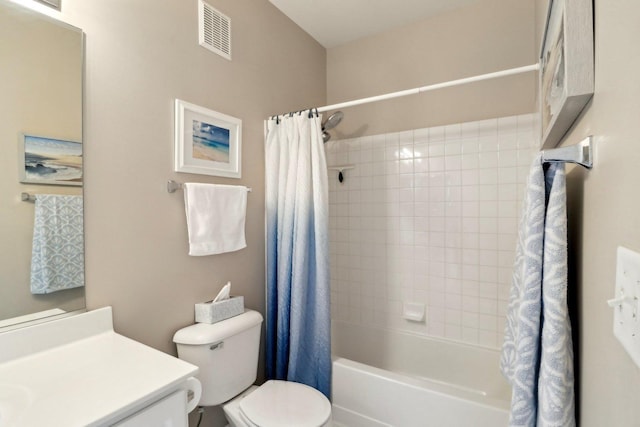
207,142
566,67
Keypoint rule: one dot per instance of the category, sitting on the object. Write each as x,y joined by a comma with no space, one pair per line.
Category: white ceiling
334,22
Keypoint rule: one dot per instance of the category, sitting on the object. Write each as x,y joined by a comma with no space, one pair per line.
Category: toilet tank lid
206,333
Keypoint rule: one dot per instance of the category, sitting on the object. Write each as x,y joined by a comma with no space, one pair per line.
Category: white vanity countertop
86,382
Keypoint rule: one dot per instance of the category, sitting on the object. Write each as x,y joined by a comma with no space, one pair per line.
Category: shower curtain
537,353
298,312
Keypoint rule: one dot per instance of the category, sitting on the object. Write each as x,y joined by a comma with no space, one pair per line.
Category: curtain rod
503,73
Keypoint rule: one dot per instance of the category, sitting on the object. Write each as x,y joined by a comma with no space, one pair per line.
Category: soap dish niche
413,312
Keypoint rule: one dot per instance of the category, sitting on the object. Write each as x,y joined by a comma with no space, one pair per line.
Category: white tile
487,239
470,146
507,141
470,240
470,177
470,210
452,131
508,225
453,147
453,162
436,164
469,130
525,158
453,332
437,219
488,339
436,133
488,257
488,209
470,272
488,322
487,192
377,154
453,271
470,161
453,316
436,223
436,150
405,151
508,209
420,150
488,177
420,165
436,305
421,135
470,288
508,124
406,166
507,158
526,121
488,159
489,290
470,335
488,128
488,273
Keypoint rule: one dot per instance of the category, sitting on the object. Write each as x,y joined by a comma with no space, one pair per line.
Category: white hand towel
215,217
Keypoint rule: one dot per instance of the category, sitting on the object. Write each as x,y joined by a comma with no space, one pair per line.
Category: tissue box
212,312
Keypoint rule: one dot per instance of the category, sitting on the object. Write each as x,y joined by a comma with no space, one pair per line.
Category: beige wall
41,94
488,36
604,213
142,55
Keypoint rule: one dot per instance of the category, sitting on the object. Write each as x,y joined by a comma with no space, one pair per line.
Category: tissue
224,293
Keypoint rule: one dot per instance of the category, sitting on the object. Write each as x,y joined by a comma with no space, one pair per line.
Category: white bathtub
406,380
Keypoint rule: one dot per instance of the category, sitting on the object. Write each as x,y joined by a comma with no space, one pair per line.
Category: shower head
325,136
333,120
330,123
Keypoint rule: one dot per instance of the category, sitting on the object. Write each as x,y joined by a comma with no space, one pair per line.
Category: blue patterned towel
57,257
537,354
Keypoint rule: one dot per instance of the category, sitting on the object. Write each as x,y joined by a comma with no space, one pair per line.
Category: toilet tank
226,353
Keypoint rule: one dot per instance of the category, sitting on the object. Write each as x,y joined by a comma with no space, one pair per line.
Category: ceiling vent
214,30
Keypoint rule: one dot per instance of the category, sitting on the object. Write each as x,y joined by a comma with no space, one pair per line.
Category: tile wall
429,216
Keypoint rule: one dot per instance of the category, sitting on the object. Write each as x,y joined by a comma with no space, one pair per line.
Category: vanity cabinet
77,371
170,411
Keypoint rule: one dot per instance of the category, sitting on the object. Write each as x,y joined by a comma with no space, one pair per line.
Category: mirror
41,82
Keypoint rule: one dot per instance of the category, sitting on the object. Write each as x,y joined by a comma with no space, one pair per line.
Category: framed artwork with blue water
206,142
45,160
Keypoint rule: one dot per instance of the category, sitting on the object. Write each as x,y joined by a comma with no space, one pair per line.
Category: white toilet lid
284,403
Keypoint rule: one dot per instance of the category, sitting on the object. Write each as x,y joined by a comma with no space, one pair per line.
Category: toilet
227,354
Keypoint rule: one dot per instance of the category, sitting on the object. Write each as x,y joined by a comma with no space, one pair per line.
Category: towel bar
579,153
172,186
26,197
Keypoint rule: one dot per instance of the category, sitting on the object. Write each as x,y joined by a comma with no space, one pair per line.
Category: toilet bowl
226,354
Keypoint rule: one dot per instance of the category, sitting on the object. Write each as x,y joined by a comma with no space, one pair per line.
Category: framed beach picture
44,160
206,142
566,67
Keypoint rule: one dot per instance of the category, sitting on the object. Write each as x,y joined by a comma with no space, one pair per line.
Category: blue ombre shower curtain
298,301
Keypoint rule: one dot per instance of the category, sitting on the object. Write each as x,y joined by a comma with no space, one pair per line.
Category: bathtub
384,378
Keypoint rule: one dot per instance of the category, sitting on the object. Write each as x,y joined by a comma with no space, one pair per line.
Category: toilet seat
284,403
